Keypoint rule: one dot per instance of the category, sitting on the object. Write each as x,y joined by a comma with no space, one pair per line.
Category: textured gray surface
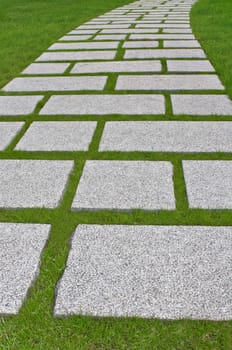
33,183
165,53
110,37
181,43
21,246
7,133
104,104
140,44
46,68
75,37
83,32
77,56
57,136
129,31
104,26
189,66
208,184
161,36
167,272
56,84
125,185
169,82
17,105
201,104
167,136
162,25
117,66
84,46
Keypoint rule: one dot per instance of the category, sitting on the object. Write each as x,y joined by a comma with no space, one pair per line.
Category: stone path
136,65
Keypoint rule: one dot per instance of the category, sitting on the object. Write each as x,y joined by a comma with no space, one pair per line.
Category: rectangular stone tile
46,68
56,84
104,26
189,66
77,56
176,31
129,31
85,46
8,131
21,246
136,22
33,183
83,31
164,272
162,25
208,184
201,104
160,36
125,185
18,105
140,44
167,136
165,53
57,136
181,43
110,37
117,66
169,82
104,105
75,37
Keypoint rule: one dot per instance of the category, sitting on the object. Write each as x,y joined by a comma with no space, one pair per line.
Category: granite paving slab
189,66
21,246
18,105
32,183
166,272
8,131
84,46
208,184
167,136
201,104
46,68
164,53
125,185
77,56
104,105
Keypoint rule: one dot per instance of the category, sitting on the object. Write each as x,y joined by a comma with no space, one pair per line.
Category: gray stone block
21,247
164,53
165,272
161,36
46,68
167,136
140,44
181,43
176,31
104,26
75,37
162,25
57,136
125,185
8,131
110,37
169,82
201,104
117,66
189,66
80,32
77,56
32,183
18,105
129,31
208,184
104,105
85,46
56,84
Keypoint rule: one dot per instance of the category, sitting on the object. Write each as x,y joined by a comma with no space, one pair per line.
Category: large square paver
125,185
18,105
201,104
208,184
7,133
33,183
57,136
167,272
167,136
104,105
21,246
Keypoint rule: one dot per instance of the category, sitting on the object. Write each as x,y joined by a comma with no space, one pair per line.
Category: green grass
27,28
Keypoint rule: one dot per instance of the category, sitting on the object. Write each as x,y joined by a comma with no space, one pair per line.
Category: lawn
27,28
